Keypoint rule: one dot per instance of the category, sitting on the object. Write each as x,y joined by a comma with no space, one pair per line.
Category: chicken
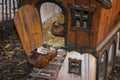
57,29
41,60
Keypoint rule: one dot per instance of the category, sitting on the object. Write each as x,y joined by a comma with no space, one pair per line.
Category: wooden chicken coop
89,43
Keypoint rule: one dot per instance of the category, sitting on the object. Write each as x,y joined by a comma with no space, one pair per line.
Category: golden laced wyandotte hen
41,60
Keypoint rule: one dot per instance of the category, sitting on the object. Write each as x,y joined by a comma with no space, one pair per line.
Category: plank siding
88,67
83,38
102,24
107,20
117,47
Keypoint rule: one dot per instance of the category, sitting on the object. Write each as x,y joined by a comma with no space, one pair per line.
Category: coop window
74,66
81,16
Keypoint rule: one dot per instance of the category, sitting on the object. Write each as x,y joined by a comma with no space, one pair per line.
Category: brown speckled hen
41,60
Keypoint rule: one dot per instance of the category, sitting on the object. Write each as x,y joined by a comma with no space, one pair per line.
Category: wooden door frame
65,12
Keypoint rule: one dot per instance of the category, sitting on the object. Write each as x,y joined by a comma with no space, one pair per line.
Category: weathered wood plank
107,21
28,27
118,44
88,71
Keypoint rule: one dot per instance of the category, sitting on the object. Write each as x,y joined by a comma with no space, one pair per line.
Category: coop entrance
51,13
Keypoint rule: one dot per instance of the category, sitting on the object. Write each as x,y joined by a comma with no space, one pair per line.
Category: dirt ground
115,74
12,54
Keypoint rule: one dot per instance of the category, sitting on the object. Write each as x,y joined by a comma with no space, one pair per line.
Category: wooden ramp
27,22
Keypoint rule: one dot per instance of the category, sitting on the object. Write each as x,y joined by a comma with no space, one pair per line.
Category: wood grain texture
82,37
28,26
31,2
84,2
107,20
102,24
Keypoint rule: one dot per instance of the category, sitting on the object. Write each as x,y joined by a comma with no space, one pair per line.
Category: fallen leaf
11,52
7,46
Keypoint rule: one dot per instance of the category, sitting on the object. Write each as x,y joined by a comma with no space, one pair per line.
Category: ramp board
27,23
51,71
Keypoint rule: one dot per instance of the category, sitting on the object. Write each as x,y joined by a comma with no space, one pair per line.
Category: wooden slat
28,27
14,7
10,9
6,10
2,10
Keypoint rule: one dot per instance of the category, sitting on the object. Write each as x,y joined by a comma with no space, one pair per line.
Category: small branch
24,61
